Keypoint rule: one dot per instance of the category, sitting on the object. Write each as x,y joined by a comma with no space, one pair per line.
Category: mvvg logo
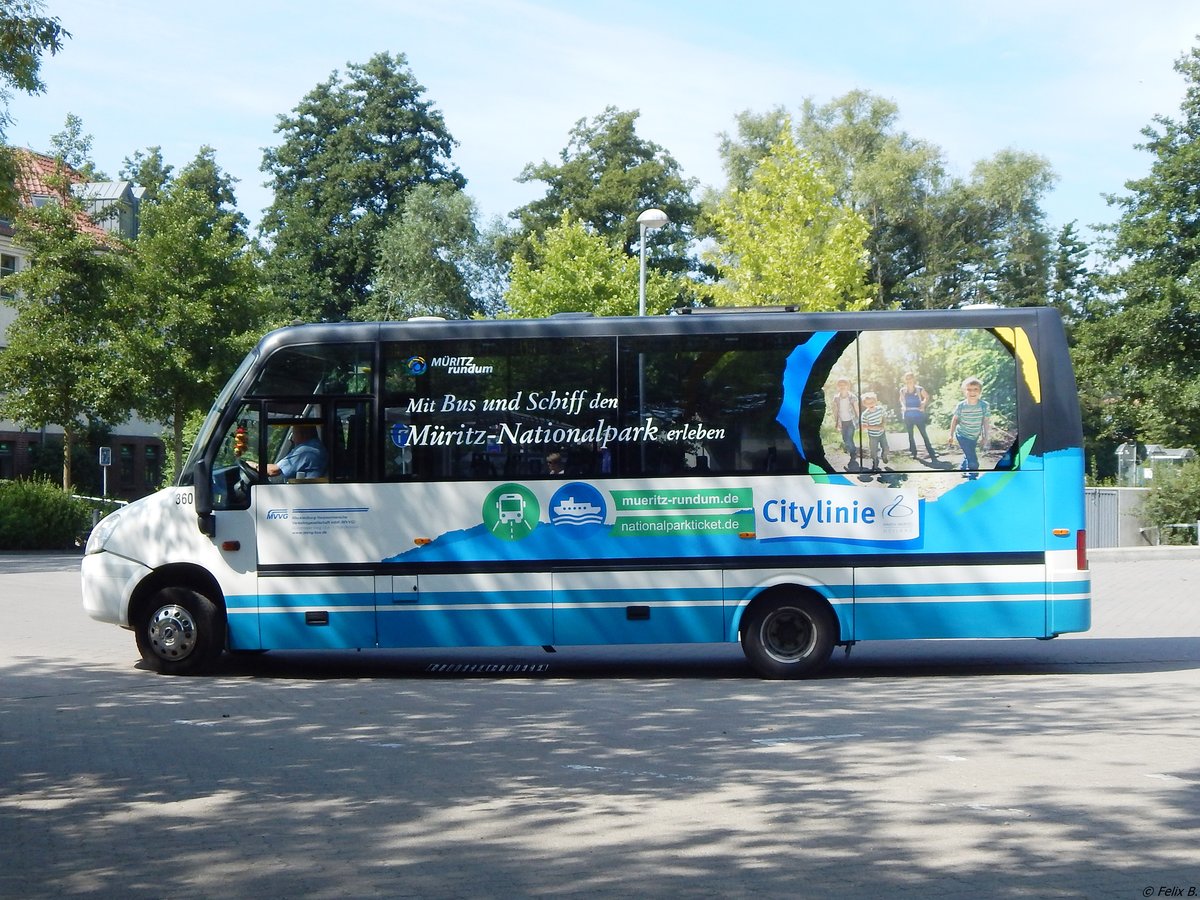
277,513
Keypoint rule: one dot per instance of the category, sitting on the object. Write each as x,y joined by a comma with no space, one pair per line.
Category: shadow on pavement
880,659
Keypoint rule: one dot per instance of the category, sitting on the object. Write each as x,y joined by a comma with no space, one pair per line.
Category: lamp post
647,221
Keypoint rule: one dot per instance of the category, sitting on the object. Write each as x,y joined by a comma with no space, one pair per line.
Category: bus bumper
108,583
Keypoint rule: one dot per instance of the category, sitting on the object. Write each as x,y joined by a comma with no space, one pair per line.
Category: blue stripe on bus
955,589
322,600
1068,587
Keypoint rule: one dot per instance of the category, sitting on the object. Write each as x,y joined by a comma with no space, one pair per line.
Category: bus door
297,528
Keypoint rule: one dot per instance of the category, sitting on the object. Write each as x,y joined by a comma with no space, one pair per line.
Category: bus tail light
1081,550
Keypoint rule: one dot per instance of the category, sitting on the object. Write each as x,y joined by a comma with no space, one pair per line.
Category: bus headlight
102,532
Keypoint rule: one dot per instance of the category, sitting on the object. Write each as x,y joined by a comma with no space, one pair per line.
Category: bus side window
348,442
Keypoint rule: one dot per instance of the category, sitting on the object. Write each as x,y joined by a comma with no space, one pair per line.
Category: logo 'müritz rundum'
416,365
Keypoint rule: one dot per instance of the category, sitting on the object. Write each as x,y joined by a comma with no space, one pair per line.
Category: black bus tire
789,636
181,632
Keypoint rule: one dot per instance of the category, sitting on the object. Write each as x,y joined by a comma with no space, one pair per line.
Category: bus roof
751,321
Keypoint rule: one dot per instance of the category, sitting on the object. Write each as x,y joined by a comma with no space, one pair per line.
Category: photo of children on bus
921,401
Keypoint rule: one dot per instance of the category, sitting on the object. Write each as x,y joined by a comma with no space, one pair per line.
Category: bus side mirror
202,485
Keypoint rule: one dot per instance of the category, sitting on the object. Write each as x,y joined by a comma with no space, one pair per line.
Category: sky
1074,82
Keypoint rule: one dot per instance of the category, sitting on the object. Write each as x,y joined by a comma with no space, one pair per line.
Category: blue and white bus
792,481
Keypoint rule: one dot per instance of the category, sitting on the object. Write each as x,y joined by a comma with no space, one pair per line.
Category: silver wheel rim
788,635
172,632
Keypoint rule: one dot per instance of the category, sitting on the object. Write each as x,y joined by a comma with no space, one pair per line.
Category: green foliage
784,240
934,241
351,152
1137,352
577,270
425,255
741,153
605,177
25,34
147,170
1174,498
1072,284
882,173
74,148
195,293
37,515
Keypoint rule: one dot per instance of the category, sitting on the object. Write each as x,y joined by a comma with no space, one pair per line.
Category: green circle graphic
511,512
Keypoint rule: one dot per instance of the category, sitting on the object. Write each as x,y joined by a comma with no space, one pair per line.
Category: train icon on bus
511,512
511,508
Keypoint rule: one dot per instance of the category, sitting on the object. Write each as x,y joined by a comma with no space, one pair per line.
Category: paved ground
1067,768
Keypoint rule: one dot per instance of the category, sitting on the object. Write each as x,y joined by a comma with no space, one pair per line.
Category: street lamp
647,221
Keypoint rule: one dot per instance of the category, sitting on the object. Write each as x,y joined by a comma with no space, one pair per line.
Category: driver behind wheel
308,457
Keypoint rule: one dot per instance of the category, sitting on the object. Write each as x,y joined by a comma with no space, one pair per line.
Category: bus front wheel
788,636
180,632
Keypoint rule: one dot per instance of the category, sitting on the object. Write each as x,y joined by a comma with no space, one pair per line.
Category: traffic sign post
105,462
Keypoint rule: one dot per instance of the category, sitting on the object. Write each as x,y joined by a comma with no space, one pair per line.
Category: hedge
36,515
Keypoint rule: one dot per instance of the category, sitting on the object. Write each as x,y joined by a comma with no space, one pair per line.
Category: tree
196,289
577,270
882,173
1072,283
756,134
1174,496
1138,351
1013,244
934,241
605,177
62,365
784,240
875,169
74,148
425,257
351,152
25,34
148,171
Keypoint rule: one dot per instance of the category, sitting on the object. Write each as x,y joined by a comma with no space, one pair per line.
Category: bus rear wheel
180,632
788,636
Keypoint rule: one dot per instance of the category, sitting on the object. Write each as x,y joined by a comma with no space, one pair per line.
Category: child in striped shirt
971,423
872,423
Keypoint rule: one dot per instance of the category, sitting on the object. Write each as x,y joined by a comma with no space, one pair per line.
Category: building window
8,266
127,465
153,473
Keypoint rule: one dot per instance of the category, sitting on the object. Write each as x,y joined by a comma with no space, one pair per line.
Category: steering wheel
249,470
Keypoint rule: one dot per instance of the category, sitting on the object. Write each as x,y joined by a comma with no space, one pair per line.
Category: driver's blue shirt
307,460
